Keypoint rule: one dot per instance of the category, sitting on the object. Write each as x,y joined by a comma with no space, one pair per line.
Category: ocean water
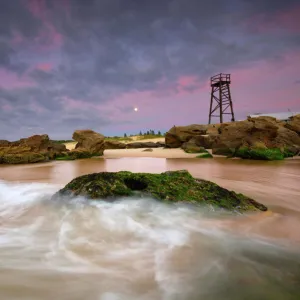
137,249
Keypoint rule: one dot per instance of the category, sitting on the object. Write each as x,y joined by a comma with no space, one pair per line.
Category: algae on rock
176,186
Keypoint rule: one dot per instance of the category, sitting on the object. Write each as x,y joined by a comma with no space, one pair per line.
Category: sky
74,64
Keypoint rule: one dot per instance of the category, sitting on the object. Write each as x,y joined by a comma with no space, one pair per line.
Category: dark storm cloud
110,47
14,16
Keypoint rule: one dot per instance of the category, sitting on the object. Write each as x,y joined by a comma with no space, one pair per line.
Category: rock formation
37,148
136,145
252,136
294,124
89,140
108,144
256,133
177,186
178,135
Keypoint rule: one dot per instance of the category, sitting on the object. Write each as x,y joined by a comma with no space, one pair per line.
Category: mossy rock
194,149
76,154
177,186
204,155
260,154
22,158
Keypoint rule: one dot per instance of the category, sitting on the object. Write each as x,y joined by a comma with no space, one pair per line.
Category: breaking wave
134,249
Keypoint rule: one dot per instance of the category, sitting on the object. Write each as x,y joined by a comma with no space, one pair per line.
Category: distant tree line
150,132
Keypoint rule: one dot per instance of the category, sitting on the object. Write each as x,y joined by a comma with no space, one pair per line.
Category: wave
134,249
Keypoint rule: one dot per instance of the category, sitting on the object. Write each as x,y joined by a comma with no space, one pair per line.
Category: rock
89,140
23,158
204,155
4,143
256,134
294,124
75,154
205,141
160,144
36,148
192,147
148,150
176,136
176,186
114,145
137,145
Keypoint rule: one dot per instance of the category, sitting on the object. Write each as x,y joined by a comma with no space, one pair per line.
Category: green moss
205,155
22,158
74,154
287,153
259,154
178,186
196,149
64,158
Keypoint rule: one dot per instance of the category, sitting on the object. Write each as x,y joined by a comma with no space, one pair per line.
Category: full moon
135,109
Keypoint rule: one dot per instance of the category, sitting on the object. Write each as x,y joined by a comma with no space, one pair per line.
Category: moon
135,109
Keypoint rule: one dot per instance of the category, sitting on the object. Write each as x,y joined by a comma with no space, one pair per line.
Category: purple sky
76,64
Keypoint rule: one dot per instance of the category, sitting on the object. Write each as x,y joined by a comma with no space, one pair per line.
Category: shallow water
143,249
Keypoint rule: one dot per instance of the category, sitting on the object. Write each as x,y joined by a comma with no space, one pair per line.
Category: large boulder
294,124
256,133
36,148
89,140
176,186
178,135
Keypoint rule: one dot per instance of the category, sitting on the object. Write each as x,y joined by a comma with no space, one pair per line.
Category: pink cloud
48,38
44,66
10,80
37,8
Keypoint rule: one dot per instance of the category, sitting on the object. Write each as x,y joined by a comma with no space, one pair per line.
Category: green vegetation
288,153
22,158
195,149
205,155
177,186
76,154
260,154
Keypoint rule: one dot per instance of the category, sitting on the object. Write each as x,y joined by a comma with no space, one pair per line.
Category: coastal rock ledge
171,186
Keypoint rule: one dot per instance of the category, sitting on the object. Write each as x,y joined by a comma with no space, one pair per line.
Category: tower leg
221,104
211,102
230,103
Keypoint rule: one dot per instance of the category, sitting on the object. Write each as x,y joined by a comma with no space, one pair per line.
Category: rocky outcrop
114,145
89,140
294,124
137,145
192,147
256,133
37,148
177,186
178,135
254,136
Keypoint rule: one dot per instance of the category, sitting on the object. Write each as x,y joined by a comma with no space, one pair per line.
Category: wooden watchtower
220,101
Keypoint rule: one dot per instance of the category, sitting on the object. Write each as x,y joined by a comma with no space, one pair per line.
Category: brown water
142,249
